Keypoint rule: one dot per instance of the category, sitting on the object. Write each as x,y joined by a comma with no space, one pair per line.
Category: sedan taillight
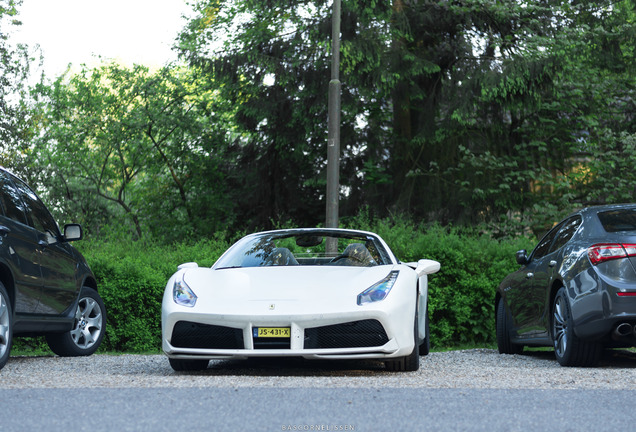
601,252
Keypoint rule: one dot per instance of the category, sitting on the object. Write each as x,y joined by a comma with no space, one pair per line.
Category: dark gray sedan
576,291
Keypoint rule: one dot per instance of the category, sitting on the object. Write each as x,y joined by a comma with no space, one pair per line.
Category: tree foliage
501,113
134,145
464,112
270,66
16,123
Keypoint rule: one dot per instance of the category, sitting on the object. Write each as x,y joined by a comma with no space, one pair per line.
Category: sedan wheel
560,327
6,326
504,320
88,330
569,350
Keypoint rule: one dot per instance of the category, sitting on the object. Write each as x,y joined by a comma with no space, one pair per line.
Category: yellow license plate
272,332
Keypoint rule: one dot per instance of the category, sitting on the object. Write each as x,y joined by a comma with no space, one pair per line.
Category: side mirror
522,257
73,232
426,266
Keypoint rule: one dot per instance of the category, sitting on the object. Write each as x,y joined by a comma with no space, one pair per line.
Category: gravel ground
475,368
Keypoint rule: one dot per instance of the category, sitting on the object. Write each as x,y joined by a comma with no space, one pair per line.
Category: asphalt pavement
473,390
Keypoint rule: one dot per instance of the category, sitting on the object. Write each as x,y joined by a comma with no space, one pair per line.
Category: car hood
289,284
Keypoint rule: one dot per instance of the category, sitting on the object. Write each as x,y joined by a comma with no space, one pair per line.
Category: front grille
188,334
271,343
356,334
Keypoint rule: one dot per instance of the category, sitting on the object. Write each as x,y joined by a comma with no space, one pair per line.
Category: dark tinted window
40,217
569,228
13,206
544,245
618,220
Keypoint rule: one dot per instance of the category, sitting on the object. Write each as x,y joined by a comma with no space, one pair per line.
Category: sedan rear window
618,220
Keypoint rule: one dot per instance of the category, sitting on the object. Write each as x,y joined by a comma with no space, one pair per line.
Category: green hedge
461,294
132,276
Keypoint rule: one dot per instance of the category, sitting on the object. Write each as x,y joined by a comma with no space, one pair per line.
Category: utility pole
333,134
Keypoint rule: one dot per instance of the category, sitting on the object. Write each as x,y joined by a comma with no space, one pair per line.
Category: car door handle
4,230
42,243
529,275
552,263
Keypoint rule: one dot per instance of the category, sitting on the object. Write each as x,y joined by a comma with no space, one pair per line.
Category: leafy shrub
132,276
461,294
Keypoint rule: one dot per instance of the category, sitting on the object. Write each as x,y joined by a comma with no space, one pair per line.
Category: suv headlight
183,294
378,291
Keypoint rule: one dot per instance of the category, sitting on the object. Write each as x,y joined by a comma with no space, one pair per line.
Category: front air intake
355,334
188,334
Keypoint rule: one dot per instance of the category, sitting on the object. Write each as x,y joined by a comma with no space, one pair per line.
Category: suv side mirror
73,232
522,257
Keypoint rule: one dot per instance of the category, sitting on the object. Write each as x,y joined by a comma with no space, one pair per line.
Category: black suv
46,286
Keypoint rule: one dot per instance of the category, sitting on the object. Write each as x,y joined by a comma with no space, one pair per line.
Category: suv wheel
6,326
88,330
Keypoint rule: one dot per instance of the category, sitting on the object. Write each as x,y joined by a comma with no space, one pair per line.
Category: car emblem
272,306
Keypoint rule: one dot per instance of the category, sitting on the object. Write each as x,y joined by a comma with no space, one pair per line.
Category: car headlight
379,291
183,294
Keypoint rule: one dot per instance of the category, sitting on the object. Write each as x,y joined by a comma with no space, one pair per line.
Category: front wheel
411,362
425,346
569,350
88,328
504,328
6,326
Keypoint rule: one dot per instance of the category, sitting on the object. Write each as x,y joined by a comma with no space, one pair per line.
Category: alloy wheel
560,326
88,323
4,325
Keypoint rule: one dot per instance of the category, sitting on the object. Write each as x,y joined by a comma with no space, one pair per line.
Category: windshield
308,248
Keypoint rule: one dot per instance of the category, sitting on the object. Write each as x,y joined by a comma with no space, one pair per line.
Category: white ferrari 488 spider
312,293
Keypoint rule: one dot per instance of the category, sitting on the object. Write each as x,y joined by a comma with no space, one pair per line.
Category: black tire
504,320
6,326
411,362
183,365
425,346
569,349
88,329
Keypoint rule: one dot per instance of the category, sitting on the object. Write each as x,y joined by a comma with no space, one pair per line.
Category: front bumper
369,334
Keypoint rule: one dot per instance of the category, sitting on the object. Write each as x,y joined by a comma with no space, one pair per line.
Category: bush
462,293
132,276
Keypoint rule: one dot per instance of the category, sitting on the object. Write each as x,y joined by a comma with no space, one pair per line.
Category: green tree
540,105
16,122
133,138
270,61
460,112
